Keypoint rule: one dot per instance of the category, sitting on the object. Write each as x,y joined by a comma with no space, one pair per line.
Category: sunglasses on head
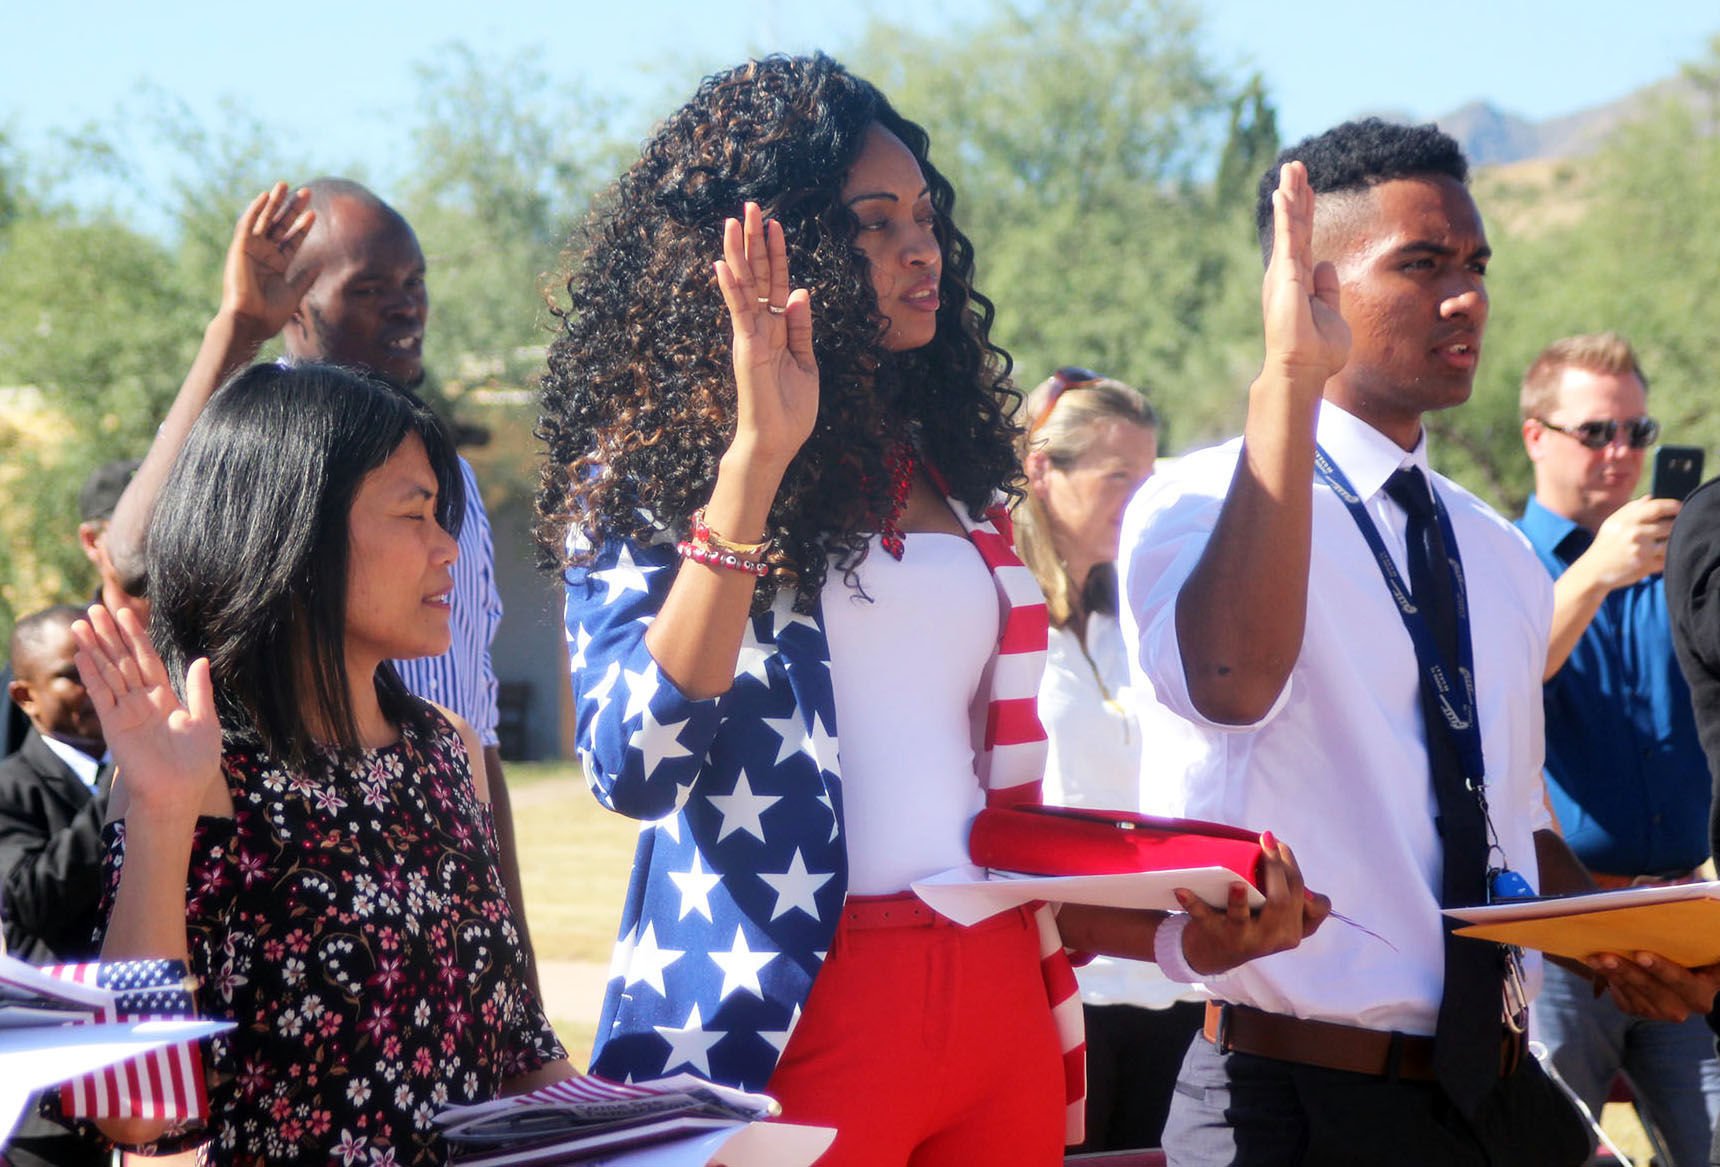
1639,432
1064,379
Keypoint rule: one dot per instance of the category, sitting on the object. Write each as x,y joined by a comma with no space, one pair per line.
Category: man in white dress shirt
1261,614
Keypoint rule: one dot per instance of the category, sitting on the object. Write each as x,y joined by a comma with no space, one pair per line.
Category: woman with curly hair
775,530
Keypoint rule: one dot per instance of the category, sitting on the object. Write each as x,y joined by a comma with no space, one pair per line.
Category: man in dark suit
96,500
53,798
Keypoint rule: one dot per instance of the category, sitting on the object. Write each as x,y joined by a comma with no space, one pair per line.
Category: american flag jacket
741,868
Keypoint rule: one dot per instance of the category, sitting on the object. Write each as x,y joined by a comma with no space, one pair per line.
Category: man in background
96,500
53,800
338,274
1625,772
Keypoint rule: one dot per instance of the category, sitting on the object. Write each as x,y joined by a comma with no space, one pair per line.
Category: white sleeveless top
905,667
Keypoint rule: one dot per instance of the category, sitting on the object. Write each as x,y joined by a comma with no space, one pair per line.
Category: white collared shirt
463,678
1338,767
78,762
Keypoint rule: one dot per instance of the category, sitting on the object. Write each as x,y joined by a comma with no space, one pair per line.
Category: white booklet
968,895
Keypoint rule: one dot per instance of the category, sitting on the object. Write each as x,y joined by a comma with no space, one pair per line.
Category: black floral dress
352,920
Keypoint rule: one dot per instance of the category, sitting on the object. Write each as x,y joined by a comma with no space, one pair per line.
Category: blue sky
335,78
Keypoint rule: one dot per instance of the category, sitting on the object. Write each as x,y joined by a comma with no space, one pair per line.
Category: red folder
1061,840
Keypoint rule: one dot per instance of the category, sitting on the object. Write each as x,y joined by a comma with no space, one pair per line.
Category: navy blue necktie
1468,1035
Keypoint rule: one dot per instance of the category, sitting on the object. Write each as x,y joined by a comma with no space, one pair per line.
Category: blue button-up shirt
1627,776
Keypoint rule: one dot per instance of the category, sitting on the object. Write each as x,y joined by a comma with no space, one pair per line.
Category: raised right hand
1631,543
255,289
168,752
1306,337
776,375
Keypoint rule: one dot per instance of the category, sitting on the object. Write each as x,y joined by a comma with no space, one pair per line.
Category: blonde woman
1090,442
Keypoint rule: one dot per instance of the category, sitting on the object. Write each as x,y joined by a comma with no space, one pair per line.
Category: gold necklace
1110,702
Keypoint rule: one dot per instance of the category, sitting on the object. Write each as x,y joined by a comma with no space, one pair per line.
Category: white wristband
1168,949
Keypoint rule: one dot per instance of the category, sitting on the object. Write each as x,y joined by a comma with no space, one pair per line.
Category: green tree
1629,240
504,164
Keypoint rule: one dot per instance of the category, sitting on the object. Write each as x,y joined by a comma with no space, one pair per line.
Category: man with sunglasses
1625,771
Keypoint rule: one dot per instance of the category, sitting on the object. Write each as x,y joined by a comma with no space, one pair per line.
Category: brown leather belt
1332,1046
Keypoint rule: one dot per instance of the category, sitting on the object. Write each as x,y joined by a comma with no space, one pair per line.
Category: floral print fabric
352,920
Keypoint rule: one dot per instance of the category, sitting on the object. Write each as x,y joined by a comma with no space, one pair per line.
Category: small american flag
164,1084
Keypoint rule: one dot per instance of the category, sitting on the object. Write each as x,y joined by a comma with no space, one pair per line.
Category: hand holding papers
1681,923
1108,859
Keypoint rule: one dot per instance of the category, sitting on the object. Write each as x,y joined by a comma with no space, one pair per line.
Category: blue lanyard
1455,700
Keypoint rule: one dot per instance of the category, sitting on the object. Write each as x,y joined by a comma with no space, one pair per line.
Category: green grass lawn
574,860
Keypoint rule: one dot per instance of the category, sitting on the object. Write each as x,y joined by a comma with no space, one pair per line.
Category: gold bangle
702,533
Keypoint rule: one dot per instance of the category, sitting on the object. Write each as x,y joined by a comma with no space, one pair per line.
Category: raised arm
168,757
696,637
257,299
1240,616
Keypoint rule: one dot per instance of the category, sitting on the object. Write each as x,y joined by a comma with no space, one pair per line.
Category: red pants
926,1044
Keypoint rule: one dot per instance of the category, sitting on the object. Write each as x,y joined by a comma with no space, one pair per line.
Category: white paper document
1552,907
968,895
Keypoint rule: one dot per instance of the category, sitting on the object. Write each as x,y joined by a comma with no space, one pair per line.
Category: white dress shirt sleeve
1165,532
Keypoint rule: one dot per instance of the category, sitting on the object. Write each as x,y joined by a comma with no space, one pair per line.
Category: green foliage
102,304
1628,240
1106,173
505,163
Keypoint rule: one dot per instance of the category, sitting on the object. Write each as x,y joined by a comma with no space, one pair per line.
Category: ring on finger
776,309
763,299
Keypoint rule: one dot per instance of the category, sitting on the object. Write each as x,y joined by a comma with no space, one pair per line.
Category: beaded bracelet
712,557
703,534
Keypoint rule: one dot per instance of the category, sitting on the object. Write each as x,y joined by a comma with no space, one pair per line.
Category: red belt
905,910
1333,1046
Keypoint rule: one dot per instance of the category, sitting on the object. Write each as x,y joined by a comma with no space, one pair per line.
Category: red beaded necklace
899,463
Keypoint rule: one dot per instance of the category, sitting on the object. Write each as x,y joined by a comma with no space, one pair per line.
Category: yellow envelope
1679,923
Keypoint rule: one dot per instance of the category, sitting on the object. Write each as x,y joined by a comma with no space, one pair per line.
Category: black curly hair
638,403
1357,155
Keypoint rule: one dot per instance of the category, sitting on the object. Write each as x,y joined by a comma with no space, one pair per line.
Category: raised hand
255,288
776,375
1217,941
1299,298
168,752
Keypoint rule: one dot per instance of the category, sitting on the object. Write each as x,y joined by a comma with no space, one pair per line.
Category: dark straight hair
249,545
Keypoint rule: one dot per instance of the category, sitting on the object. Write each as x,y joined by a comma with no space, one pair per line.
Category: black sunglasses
1639,432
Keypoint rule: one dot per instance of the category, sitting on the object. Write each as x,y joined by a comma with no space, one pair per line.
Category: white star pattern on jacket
740,869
